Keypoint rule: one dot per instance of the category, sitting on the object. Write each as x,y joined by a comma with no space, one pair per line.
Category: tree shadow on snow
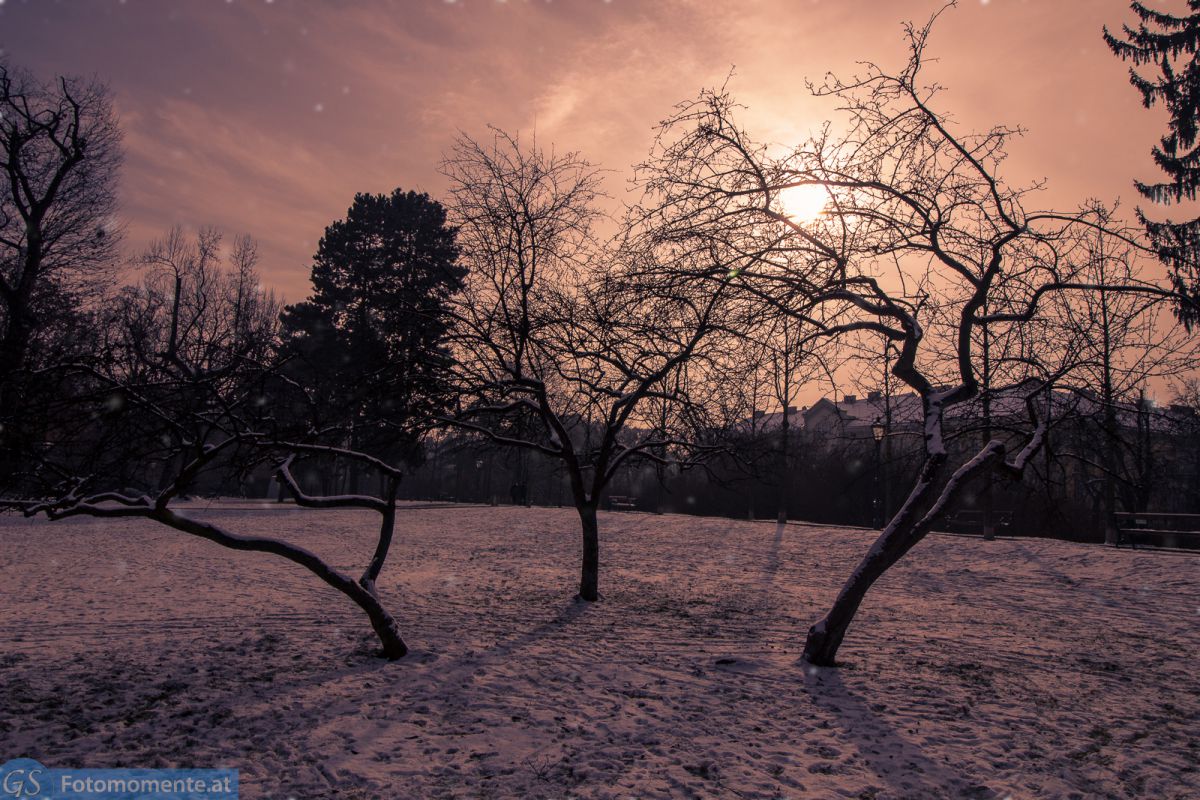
901,763
773,556
503,651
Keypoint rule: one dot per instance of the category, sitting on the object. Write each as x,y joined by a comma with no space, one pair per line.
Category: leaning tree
186,392
172,401
919,241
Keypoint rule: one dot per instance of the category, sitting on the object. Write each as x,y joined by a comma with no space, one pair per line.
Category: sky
267,116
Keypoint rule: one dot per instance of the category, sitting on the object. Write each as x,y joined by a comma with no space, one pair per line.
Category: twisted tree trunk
382,622
901,534
910,525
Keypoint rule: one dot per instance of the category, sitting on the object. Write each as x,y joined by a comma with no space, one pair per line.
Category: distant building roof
855,414
773,421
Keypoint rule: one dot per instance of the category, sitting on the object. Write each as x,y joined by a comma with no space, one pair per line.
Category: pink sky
266,117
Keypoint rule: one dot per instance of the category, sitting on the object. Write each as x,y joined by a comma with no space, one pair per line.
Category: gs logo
21,778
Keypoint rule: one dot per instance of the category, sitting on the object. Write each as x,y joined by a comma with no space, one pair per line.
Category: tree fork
387,527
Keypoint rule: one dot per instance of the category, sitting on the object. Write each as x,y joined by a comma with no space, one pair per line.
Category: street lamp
878,431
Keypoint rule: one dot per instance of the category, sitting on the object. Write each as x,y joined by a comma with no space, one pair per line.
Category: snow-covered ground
1021,669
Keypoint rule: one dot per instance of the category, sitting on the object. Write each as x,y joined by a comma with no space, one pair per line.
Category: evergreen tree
368,345
1172,44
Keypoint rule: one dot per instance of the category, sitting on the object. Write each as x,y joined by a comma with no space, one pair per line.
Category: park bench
971,521
620,502
1159,528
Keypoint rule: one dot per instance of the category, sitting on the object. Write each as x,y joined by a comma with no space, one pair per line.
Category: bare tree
792,362
182,396
1186,430
59,153
562,347
1123,343
920,242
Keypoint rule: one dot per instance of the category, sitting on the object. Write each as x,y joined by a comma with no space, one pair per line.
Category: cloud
218,101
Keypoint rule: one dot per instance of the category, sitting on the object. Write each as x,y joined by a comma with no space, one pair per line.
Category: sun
804,203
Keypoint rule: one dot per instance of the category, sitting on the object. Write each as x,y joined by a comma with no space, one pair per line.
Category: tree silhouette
1172,43
565,348
363,367
168,404
59,152
368,345
921,244
186,394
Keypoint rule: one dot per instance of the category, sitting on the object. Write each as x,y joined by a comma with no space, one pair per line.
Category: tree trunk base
394,647
589,573
820,649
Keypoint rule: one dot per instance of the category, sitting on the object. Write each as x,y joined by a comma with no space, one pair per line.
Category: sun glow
804,203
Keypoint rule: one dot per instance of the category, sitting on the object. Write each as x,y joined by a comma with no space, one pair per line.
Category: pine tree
369,344
1172,44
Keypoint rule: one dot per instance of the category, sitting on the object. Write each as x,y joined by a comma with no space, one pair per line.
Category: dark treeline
843,478
494,347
